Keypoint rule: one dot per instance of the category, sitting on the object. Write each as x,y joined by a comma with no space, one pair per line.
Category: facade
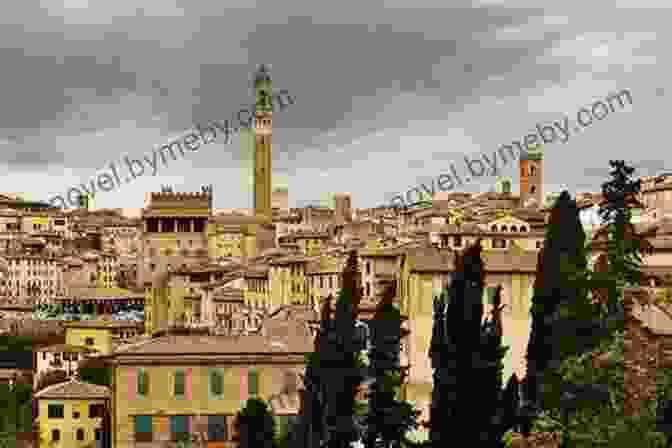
174,232
70,414
101,335
423,274
59,357
37,276
181,383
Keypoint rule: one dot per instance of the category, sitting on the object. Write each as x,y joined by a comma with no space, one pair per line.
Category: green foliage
95,374
388,418
624,253
255,425
464,352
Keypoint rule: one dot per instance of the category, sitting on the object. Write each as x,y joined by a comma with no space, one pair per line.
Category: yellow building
288,281
232,236
323,277
423,274
70,414
174,232
180,383
101,335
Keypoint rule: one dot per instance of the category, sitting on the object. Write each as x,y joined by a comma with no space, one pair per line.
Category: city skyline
436,90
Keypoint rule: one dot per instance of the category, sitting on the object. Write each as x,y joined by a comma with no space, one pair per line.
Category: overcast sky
386,96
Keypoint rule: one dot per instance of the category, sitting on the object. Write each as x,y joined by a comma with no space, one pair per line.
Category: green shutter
216,383
179,383
252,383
143,382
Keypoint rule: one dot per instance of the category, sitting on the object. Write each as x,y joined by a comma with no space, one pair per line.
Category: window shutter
188,384
132,379
252,382
243,385
216,383
141,382
179,383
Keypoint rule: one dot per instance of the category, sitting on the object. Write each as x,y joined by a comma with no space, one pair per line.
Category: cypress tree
340,364
563,319
388,418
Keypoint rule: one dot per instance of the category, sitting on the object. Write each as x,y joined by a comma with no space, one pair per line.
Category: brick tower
531,176
262,144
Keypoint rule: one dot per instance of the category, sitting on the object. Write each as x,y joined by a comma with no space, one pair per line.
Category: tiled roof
66,348
218,345
103,324
92,292
74,389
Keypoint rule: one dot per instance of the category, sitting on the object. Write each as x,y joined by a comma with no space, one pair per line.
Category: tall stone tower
531,176
262,144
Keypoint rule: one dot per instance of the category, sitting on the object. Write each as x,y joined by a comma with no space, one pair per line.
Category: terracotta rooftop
218,345
102,324
65,348
74,389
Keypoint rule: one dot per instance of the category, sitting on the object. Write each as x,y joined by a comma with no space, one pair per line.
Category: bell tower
262,145
531,176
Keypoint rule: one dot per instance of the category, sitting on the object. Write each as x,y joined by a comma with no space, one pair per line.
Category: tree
255,425
388,418
90,371
564,321
466,352
341,369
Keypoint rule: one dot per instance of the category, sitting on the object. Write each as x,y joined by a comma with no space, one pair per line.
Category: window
533,170
44,356
96,410
533,189
89,341
179,384
493,228
178,426
252,382
514,228
55,435
368,268
99,434
498,243
143,382
80,434
523,229
217,428
538,244
457,241
55,411
75,414
143,428
216,383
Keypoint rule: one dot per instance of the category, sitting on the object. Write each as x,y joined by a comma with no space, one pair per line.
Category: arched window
533,170
493,228
523,229
533,189
514,228
503,228
80,434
